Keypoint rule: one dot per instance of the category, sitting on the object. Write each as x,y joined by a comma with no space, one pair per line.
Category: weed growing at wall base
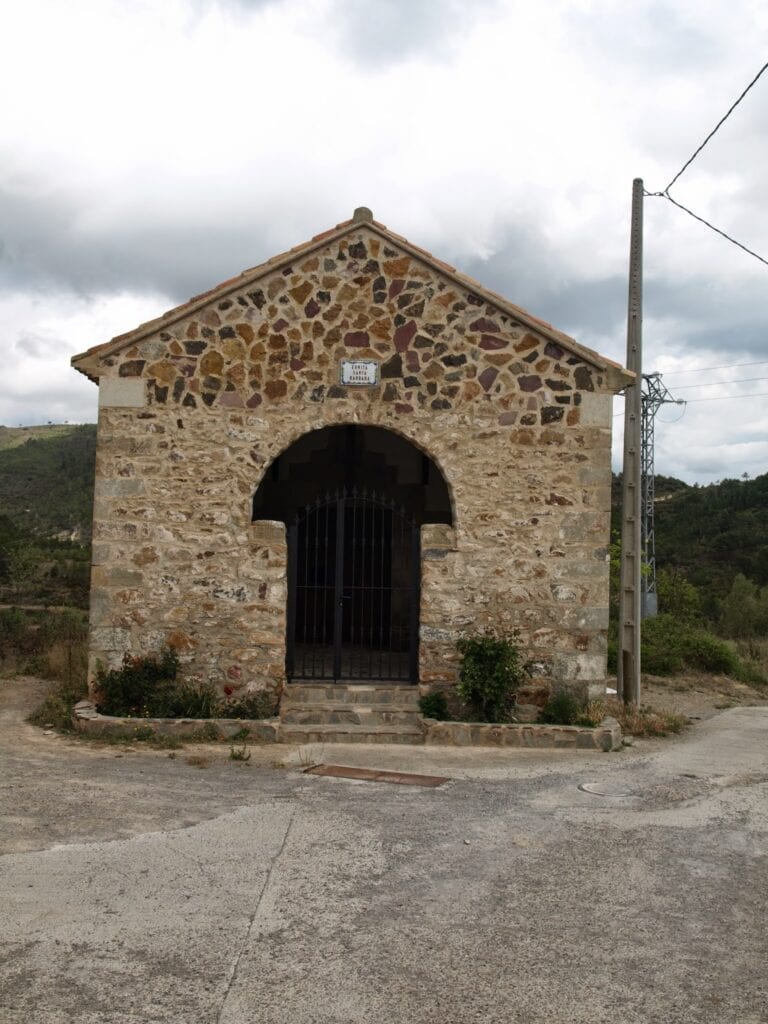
563,708
239,753
56,707
151,686
434,705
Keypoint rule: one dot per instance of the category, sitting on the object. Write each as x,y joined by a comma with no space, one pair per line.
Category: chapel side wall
192,417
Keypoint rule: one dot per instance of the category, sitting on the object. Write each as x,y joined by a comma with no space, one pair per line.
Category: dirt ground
699,696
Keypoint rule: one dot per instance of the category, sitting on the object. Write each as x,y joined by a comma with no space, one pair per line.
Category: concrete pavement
140,888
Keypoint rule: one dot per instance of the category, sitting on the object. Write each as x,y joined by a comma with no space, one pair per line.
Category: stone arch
346,455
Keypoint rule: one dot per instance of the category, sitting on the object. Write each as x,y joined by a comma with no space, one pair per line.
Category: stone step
350,693
290,733
343,713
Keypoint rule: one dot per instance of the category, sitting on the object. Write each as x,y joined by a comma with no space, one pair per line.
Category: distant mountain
46,496
46,479
714,532
711,533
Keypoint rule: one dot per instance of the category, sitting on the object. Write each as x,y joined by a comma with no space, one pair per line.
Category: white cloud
154,149
41,332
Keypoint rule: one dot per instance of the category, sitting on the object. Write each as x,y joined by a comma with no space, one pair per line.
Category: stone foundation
87,719
605,737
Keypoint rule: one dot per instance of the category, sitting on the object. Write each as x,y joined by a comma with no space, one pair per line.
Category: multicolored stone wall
440,348
193,415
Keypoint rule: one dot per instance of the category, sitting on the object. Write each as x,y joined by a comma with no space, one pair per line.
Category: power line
714,383
725,398
719,124
665,193
677,418
714,398
706,369
701,220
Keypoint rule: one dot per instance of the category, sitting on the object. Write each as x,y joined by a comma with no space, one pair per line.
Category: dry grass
67,659
594,713
56,707
643,720
198,760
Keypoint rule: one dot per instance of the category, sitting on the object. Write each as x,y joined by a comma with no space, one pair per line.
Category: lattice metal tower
654,395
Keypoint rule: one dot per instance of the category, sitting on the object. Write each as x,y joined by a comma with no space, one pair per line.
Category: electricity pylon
655,394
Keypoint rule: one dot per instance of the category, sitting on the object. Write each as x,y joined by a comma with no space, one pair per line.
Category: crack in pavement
246,938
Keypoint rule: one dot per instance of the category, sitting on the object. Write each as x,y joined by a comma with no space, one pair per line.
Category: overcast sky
152,148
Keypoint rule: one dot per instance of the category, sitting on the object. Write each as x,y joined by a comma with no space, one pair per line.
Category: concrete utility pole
630,591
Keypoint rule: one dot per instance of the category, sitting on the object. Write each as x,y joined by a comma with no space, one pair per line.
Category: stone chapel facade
337,463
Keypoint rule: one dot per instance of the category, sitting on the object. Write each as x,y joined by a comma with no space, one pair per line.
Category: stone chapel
335,464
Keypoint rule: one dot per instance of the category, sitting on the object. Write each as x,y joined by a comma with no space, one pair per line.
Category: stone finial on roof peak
362,215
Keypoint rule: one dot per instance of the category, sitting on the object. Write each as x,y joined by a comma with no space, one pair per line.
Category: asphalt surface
138,887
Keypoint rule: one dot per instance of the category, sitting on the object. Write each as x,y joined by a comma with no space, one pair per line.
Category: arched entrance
353,500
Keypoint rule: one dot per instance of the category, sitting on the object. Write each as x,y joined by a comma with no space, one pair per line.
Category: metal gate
353,590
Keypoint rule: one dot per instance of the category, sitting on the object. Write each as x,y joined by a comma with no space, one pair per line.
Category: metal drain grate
606,789
340,771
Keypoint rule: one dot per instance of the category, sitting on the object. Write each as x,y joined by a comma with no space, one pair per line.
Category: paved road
139,888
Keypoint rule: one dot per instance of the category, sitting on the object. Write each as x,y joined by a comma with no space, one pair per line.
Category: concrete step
291,733
350,693
343,713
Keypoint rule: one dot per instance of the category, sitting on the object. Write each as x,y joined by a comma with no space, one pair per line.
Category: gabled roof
87,362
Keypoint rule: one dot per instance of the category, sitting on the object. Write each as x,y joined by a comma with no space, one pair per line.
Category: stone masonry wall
192,416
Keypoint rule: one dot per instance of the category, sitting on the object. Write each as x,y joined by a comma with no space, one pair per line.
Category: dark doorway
353,590
353,499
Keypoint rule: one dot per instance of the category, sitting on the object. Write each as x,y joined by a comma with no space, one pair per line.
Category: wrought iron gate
353,590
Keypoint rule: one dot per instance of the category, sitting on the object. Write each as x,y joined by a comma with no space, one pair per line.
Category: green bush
185,700
670,645
492,670
150,686
744,611
251,705
144,686
434,705
13,630
563,708
677,595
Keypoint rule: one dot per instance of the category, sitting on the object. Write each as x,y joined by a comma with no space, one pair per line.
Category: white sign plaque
359,372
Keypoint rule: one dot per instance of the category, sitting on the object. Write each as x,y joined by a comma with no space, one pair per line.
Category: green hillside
713,533
46,479
712,579
46,495
710,534
12,437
